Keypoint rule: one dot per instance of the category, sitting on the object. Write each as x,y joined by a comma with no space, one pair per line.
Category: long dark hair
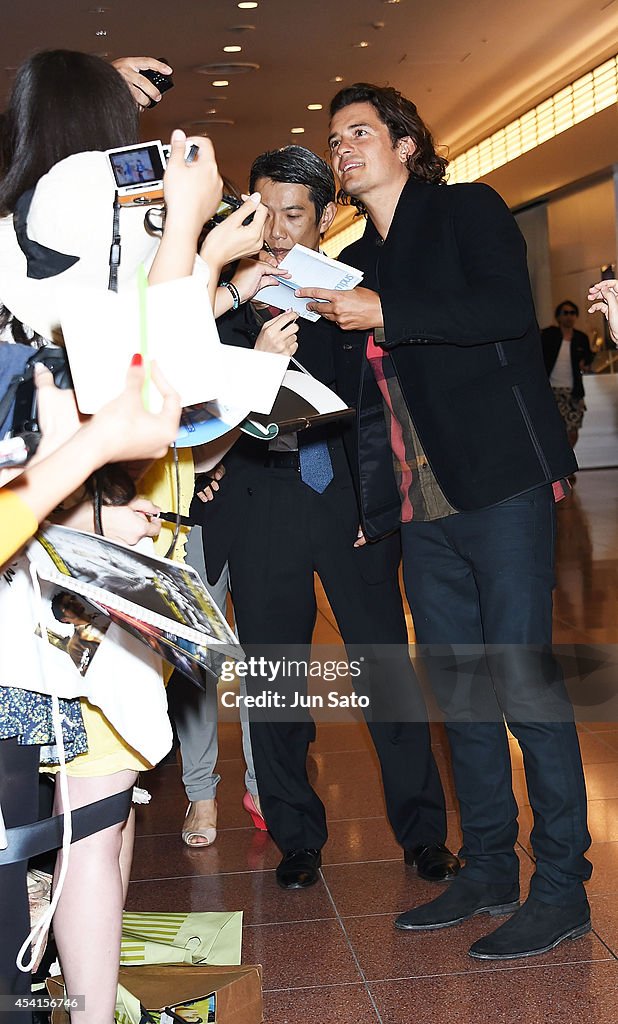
402,119
63,102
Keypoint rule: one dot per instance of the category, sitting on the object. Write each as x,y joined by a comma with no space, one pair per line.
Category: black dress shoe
463,899
535,928
299,869
433,863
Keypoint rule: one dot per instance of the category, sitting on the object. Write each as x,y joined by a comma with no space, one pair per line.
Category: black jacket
460,325
223,518
551,337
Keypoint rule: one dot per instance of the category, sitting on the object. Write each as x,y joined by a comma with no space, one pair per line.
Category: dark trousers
291,533
19,798
486,578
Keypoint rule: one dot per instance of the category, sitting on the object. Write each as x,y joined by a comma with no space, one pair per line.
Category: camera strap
114,249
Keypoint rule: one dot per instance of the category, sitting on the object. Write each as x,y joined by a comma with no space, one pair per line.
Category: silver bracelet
233,290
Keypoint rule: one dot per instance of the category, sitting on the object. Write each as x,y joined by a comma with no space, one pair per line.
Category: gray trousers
195,711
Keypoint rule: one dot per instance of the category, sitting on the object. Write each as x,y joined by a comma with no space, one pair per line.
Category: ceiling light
224,69
587,95
101,32
220,83
362,45
314,106
297,131
232,49
247,5
337,78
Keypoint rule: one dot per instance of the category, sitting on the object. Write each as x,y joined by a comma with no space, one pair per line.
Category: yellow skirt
107,751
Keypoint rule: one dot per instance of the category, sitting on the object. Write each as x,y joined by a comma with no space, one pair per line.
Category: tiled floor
330,954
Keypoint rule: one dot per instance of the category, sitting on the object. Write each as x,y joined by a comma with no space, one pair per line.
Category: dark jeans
486,578
19,798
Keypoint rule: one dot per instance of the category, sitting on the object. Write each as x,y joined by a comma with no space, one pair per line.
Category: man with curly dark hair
462,447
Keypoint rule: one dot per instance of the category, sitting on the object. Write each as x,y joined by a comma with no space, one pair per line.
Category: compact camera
162,82
18,405
138,172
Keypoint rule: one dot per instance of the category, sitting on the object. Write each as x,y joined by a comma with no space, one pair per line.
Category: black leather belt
282,460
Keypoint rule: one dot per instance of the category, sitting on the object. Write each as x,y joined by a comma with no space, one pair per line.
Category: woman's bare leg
88,919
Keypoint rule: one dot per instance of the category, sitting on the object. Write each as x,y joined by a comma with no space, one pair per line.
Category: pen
192,154
173,517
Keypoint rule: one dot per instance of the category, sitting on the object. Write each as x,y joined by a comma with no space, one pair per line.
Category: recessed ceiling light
232,49
224,69
314,106
362,45
247,5
297,131
337,78
220,83
101,32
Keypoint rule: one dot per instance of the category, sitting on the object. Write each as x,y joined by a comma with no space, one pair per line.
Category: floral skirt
571,409
27,715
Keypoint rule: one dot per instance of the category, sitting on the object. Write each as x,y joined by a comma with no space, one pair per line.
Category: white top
562,373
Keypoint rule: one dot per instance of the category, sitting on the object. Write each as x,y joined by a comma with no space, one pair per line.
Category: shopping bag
237,992
157,938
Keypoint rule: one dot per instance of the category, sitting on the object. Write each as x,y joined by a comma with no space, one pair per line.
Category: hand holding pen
192,183
240,234
251,275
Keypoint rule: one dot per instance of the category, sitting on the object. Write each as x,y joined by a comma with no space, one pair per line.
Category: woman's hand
142,89
233,239
130,523
124,431
210,488
279,335
252,275
604,298
57,413
192,191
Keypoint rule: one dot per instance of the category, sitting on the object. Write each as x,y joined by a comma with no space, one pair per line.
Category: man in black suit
277,525
451,360
566,351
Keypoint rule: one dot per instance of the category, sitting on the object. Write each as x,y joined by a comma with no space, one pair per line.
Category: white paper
101,332
250,379
309,269
321,397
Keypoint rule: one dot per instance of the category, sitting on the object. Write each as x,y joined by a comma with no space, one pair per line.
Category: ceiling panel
467,66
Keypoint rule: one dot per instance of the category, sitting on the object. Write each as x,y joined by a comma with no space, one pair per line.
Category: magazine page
62,643
157,591
309,269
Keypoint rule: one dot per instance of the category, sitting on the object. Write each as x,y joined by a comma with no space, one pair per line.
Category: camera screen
136,166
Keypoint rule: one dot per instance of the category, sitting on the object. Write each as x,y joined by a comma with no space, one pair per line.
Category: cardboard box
238,990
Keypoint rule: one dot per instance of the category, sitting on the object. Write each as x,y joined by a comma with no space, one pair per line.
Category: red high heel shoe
256,816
